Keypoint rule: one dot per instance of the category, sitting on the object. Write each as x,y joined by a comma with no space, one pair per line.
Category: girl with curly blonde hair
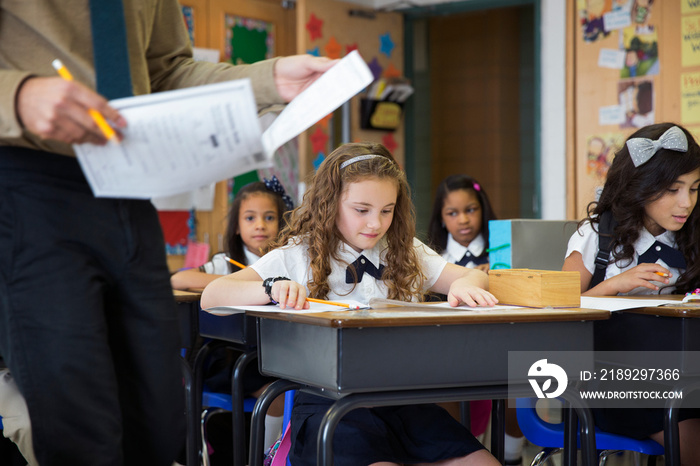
352,238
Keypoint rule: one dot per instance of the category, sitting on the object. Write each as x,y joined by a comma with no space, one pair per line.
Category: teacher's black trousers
88,324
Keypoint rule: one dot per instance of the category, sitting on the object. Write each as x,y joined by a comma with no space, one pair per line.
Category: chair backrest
288,404
548,435
223,400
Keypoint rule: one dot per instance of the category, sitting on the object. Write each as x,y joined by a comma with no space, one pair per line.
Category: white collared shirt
454,251
292,261
585,241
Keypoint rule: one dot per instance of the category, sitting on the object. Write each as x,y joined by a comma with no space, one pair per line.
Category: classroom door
477,69
479,74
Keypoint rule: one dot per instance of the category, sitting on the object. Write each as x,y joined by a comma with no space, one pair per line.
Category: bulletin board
631,63
333,29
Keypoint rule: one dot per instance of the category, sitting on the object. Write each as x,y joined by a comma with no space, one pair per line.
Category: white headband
357,159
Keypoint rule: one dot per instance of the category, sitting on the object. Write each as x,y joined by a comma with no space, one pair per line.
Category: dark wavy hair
234,242
315,220
628,189
437,233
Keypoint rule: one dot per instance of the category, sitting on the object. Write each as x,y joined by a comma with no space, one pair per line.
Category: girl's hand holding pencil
294,302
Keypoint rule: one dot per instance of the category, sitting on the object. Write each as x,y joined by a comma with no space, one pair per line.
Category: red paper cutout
391,72
175,226
324,121
314,26
350,47
333,48
389,142
319,139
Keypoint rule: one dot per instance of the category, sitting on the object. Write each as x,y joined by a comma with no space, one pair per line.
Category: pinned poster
637,99
690,98
690,40
641,48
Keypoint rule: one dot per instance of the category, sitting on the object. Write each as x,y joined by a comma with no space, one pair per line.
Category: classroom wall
610,102
338,28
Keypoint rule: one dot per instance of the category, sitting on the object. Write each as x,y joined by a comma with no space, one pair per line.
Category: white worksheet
180,140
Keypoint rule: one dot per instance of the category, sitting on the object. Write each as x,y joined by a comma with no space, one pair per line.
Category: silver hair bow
643,149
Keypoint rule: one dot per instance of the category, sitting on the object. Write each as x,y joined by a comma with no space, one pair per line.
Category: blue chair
551,437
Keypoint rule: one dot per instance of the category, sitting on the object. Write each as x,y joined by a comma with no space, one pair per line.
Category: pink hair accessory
477,187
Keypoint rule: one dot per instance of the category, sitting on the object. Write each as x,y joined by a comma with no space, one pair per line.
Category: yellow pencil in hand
236,263
107,130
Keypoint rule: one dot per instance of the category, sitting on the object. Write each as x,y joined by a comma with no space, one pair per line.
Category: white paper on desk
313,307
618,304
432,307
179,140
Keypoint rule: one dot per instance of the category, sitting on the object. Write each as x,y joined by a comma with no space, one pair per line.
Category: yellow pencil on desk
334,303
313,300
107,130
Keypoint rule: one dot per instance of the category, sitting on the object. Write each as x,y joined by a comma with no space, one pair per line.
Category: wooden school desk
401,356
665,328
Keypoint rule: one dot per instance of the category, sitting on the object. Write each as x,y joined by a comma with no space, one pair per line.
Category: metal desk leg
498,429
465,414
237,400
191,447
257,428
672,439
194,405
588,450
570,434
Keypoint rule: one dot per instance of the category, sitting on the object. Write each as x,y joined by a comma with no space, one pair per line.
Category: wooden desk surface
669,310
186,296
412,317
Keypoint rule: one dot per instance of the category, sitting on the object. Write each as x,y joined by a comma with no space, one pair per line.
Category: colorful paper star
333,48
391,71
375,68
350,47
389,142
324,121
314,51
314,26
319,139
318,160
387,45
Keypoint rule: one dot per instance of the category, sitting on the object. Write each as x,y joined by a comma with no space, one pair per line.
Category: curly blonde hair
315,220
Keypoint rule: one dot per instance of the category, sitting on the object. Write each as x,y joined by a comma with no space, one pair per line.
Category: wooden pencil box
536,288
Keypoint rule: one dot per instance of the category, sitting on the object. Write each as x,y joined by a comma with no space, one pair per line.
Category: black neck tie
671,257
469,257
110,49
361,266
